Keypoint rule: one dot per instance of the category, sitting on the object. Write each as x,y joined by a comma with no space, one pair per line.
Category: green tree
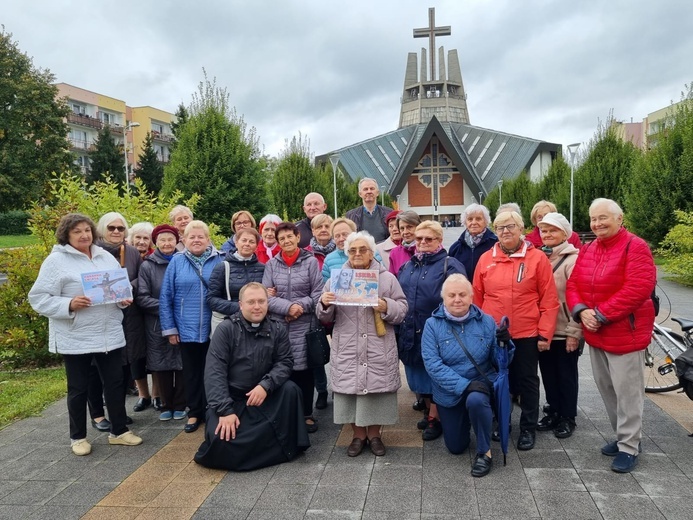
149,168
182,117
33,132
217,156
106,159
555,186
662,180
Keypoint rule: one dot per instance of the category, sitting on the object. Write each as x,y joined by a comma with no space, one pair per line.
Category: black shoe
321,401
157,404
192,427
142,404
311,424
419,405
526,440
495,436
423,423
433,430
104,425
482,465
546,409
128,419
548,422
564,428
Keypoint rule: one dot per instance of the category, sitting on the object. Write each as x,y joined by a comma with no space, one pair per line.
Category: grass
17,240
26,393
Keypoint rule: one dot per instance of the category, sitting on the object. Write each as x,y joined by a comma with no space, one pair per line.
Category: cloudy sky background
334,70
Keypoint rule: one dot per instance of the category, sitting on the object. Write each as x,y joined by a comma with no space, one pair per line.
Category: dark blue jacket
422,281
467,256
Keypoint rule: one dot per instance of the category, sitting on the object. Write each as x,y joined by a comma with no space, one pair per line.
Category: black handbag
317,346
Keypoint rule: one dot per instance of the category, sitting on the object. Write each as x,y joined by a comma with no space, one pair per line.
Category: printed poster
355,287
111,286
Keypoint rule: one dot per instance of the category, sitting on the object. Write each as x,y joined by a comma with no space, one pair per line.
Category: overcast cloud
334,70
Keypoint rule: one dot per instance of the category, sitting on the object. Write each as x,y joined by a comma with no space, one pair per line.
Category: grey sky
334,70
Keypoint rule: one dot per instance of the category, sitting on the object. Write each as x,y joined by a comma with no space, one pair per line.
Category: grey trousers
621,383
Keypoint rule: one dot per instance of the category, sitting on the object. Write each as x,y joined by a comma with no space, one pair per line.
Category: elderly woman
140,236
113,230
163,360
185,315
83,333
237,269
295,276
514,279
460,390
422,280
395,238
539,210
559,364
364,363
322,243
180,216
475,240
341,229
400,255
268,247
609,294
240,220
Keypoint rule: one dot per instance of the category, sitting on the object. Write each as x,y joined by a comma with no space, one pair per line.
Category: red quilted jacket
616,277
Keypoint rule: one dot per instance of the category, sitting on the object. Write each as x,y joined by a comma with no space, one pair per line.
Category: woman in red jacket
609,293
515,279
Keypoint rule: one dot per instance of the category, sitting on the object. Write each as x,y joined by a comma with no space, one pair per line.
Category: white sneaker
125,439
80,447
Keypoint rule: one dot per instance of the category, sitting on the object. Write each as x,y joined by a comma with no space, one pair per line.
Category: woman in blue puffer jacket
184,313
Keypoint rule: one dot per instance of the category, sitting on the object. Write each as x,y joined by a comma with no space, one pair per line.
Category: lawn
29,392
17,240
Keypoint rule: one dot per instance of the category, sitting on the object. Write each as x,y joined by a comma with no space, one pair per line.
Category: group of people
223,333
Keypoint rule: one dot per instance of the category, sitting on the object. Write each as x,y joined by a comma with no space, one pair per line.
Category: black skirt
269,434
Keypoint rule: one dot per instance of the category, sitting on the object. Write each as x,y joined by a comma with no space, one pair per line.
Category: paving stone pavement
569,478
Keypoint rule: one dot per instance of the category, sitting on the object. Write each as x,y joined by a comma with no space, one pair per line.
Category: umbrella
501,390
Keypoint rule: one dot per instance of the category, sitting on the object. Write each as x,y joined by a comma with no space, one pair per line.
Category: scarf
291,260
511,251
409,246
420,255
199,260
322,250
457,319
270,250
165,256
472,240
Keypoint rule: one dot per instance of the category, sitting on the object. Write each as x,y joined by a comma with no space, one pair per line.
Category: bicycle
660,372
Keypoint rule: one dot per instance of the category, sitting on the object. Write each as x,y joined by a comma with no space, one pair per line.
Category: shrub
14,223
677,247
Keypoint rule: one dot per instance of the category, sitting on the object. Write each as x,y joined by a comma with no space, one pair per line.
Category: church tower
427,94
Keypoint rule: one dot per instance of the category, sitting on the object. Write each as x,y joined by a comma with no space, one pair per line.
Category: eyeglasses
243,223
509,227
119,229
360,250
426,240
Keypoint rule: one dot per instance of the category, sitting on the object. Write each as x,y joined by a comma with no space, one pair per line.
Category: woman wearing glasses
364,364
422,281
515,279
240,220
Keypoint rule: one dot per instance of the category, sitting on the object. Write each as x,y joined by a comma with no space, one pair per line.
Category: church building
436,162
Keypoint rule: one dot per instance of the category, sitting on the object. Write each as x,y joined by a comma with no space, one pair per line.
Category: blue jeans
474,412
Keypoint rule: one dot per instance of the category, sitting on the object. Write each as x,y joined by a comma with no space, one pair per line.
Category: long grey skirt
365,410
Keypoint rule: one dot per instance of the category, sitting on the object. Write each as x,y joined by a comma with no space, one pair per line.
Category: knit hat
164,228
391,215
558,221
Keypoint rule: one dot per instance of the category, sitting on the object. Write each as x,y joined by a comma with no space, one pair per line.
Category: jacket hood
486,236
429,259
474,313
565,249
157,258
232,259
374,265
67,248
301,256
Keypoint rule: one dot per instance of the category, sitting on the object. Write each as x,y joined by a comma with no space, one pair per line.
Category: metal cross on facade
431,32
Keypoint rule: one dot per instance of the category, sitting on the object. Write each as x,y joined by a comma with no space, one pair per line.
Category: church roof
482,156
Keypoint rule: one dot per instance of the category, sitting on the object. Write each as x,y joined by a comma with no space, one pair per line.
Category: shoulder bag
317,346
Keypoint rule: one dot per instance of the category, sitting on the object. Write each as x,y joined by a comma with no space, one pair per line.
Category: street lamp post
572,149
382,195
334,159
500,192
481,194
128,127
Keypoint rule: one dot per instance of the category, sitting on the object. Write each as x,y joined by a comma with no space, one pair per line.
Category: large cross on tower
431,32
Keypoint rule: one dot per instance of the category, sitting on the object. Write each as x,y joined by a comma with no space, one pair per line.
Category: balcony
80,144
84,120
159,136
116,129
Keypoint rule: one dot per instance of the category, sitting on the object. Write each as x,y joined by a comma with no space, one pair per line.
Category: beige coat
565,325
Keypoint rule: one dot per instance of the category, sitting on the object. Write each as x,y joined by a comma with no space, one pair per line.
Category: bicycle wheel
660,373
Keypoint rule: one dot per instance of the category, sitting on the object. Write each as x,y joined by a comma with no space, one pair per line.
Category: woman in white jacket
81,332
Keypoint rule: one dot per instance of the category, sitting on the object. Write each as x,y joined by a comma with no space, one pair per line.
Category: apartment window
78,109
158,128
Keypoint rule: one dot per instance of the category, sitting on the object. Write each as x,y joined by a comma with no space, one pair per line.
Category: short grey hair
477,208
142,227
360,235
179,209
509,206
314,194
108,218
368,179
612,206
459,278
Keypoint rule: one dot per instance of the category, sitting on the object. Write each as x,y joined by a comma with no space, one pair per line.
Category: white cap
558,221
